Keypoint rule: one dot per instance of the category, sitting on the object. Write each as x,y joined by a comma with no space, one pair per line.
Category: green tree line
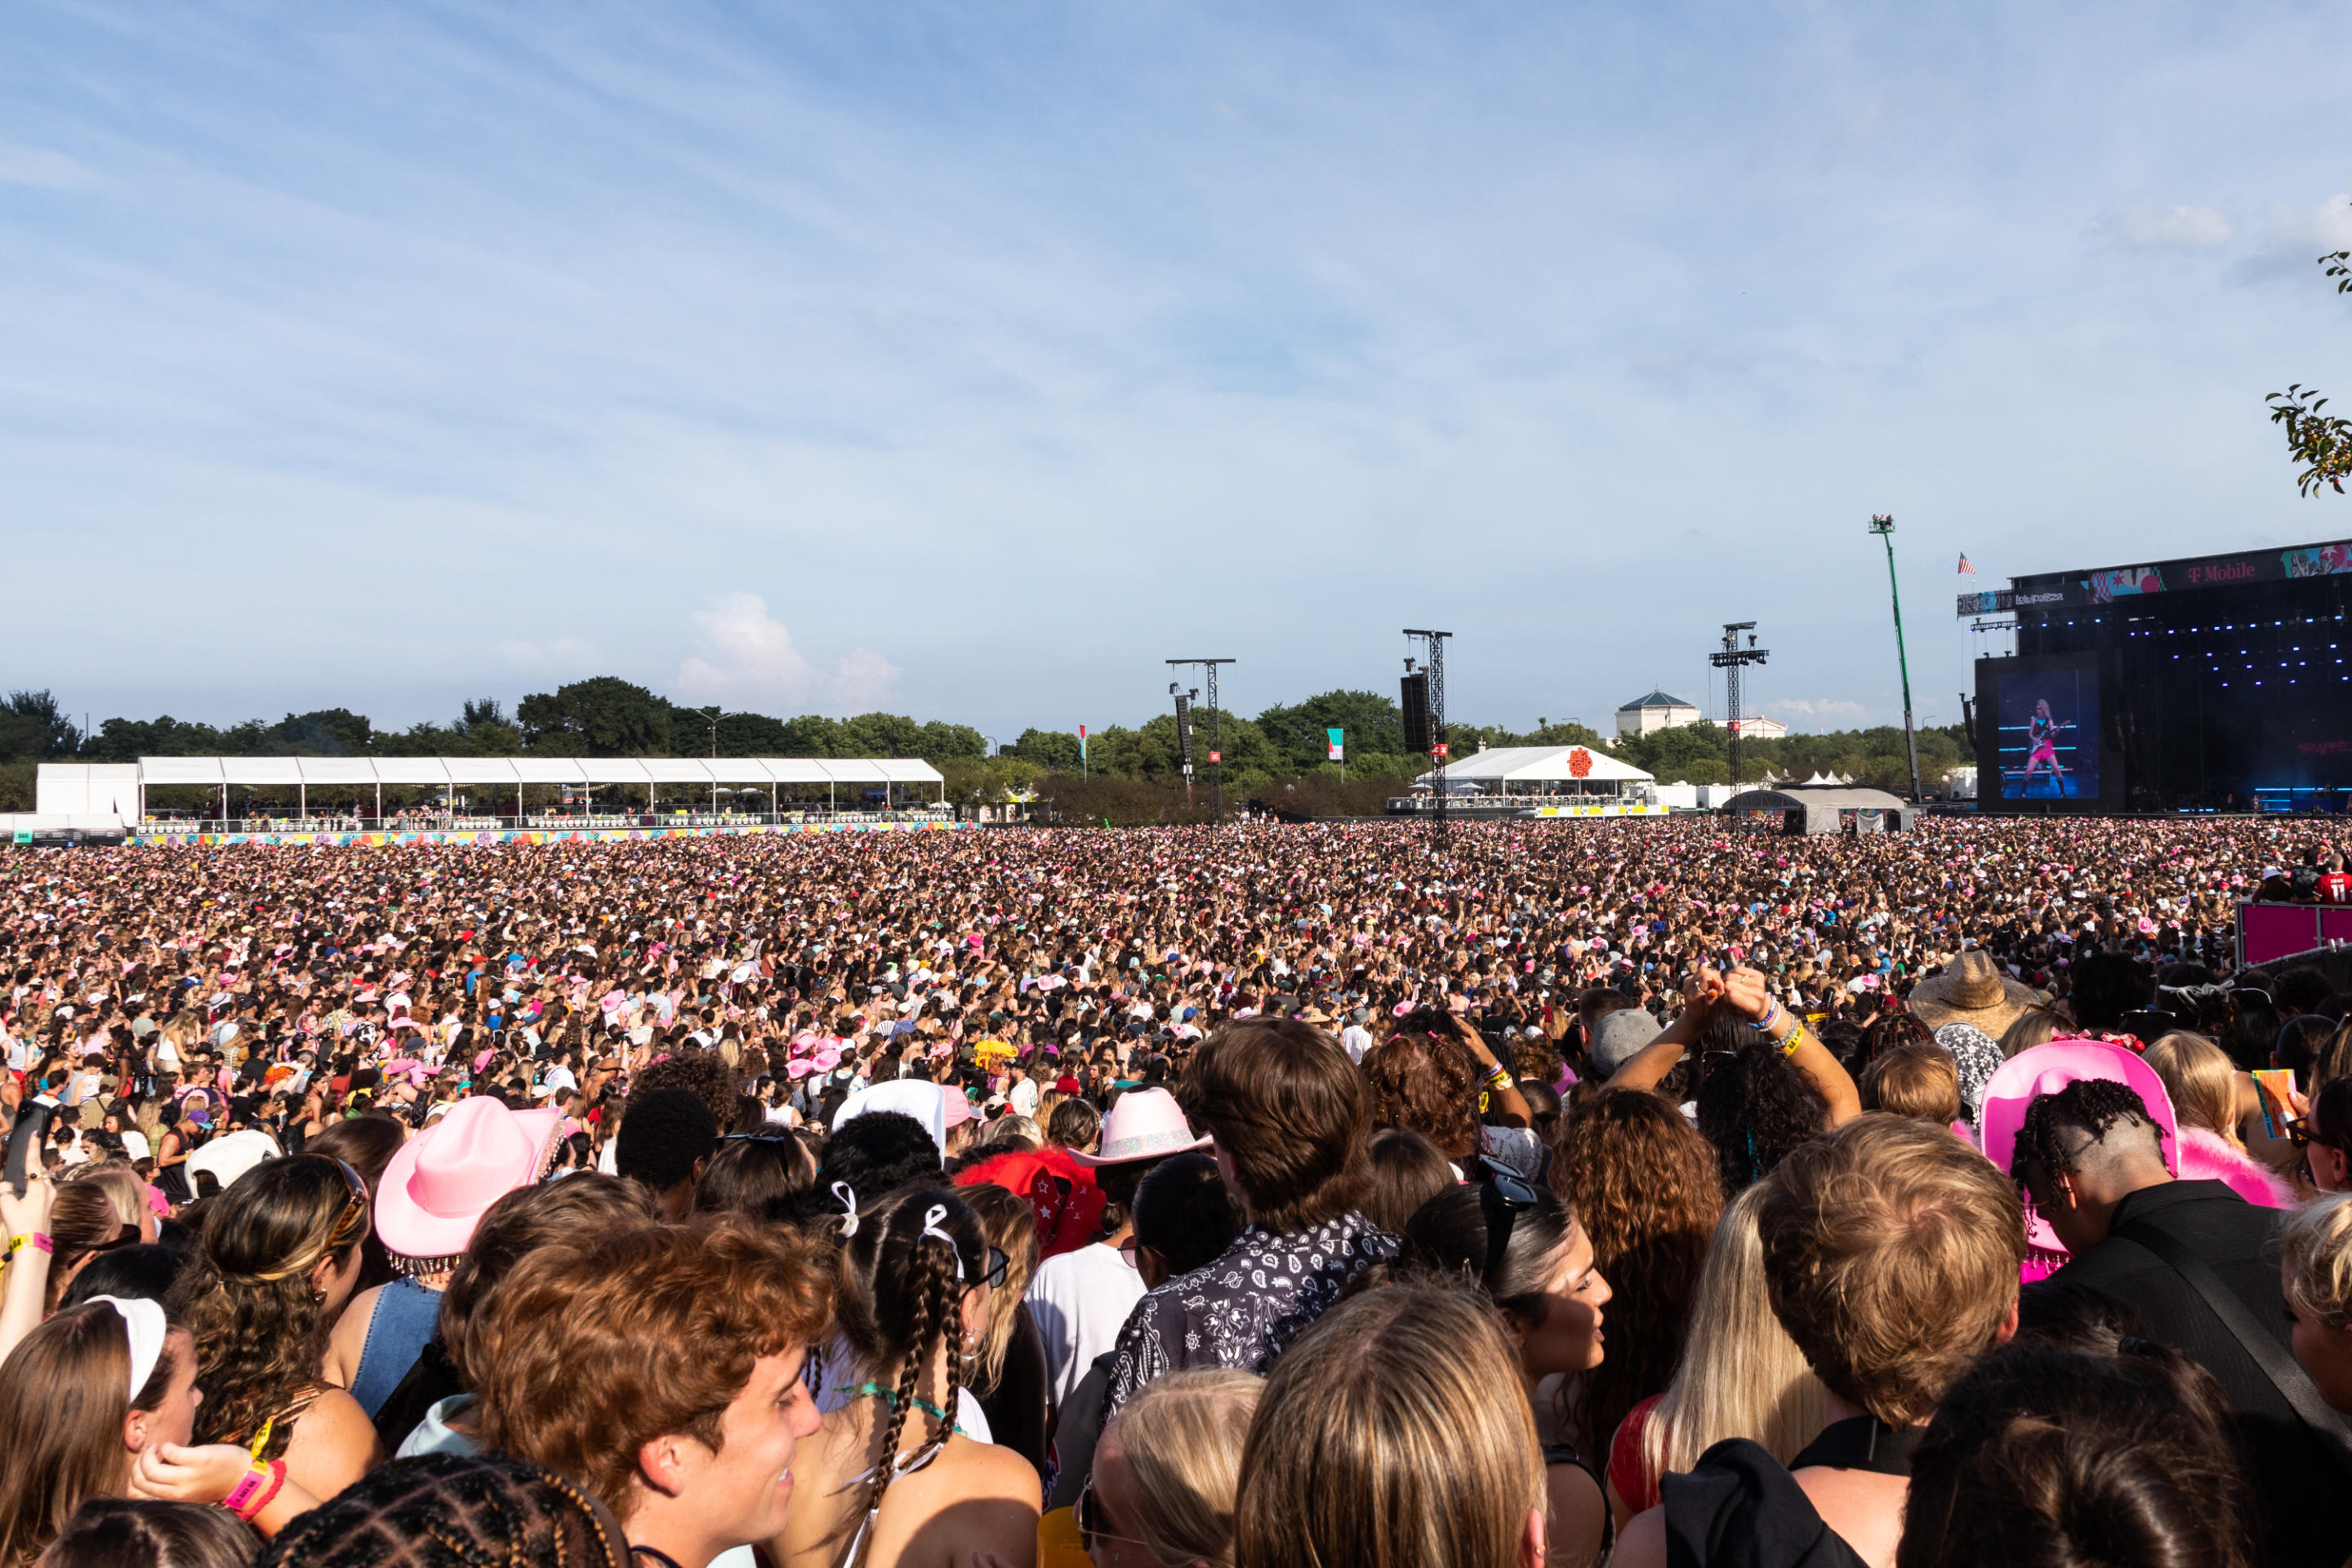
604,717
608,716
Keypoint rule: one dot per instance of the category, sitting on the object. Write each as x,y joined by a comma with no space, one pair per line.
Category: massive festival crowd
1268,1196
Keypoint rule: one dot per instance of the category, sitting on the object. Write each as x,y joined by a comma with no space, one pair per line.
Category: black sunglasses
1501,1197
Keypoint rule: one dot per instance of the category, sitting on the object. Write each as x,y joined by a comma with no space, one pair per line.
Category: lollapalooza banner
532,834
2067,590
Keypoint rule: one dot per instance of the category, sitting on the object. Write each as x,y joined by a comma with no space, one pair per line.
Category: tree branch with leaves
2321,442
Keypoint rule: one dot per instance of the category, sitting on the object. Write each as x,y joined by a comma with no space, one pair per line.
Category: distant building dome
1658,711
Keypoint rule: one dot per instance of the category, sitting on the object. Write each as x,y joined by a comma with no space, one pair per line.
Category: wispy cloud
748,655
43,167
1818,713
564,656
2169,229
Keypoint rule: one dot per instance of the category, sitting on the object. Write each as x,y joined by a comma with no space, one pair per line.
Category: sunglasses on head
1501,1197
1091,1523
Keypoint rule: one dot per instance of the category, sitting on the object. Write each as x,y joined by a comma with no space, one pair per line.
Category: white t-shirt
1081,1301
1356,1039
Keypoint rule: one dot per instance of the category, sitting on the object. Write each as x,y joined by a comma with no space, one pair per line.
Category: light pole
716,715
1883,525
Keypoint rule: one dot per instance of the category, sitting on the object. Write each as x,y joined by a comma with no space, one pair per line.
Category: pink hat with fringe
441,1181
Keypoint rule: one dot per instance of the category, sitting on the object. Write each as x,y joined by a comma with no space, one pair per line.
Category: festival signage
2074,590
1338,746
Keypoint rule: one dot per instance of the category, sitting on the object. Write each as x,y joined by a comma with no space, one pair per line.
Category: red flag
1965,566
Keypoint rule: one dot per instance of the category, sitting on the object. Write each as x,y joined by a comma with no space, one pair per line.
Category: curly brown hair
1429,1083
1643,1182
705,1073
247,1296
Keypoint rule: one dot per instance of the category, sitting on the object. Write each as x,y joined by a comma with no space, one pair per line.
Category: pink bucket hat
1143,1124
439,1183
2047,1069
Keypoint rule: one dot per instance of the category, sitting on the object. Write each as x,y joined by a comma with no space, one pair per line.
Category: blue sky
970,360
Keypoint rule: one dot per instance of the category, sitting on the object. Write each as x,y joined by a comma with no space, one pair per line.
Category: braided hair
2089,1105
901,1298
450,1511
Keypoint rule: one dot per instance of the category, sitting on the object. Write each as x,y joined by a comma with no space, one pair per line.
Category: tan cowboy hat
1972,989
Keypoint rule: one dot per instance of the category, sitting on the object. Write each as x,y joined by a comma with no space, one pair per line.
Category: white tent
73,785
1539,770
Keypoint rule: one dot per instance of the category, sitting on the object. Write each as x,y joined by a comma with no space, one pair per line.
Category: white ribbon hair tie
932,1218
143,1321
848,1197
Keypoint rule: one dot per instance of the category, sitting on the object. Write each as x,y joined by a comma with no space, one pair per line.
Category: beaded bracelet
1768,1019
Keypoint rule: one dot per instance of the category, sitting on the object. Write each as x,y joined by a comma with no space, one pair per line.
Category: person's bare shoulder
1642,1542
334,1445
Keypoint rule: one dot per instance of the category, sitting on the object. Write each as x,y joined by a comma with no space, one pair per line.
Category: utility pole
1883,525
716,715
1729,661
1434,664
1216,729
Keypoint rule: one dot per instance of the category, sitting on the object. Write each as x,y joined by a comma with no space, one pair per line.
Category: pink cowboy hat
2047,1069
441,1179
1145,1124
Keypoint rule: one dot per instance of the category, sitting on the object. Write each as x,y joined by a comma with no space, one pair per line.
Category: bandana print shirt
1243,1309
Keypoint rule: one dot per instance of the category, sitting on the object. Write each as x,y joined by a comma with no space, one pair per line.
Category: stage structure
1730,660
2211,683
1430,696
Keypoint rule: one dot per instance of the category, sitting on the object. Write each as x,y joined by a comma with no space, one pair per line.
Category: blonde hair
1182,1439
2318,1244
2034,1027
1388,1437
1010,1226
124,1187
1741,1375
2202,1080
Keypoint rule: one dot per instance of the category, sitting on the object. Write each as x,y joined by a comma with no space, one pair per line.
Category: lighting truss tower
1217,727
1433,659
1731,660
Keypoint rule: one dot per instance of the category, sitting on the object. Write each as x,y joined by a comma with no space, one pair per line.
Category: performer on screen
2041,733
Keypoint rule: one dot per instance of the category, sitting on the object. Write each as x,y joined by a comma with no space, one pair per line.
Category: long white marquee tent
1539,770
121,789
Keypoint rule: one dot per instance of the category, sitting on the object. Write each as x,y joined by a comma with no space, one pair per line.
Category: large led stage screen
2046,720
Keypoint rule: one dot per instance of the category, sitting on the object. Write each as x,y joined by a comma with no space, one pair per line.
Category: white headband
143,1321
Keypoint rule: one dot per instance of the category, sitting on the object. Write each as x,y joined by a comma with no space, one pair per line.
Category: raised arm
1648,1066
1745,993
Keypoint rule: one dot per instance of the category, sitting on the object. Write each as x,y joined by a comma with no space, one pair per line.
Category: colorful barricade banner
528,835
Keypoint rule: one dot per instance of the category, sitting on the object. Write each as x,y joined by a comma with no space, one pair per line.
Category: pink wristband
33,1239
249,1486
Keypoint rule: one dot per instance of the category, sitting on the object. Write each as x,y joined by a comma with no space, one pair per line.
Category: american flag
1965,566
